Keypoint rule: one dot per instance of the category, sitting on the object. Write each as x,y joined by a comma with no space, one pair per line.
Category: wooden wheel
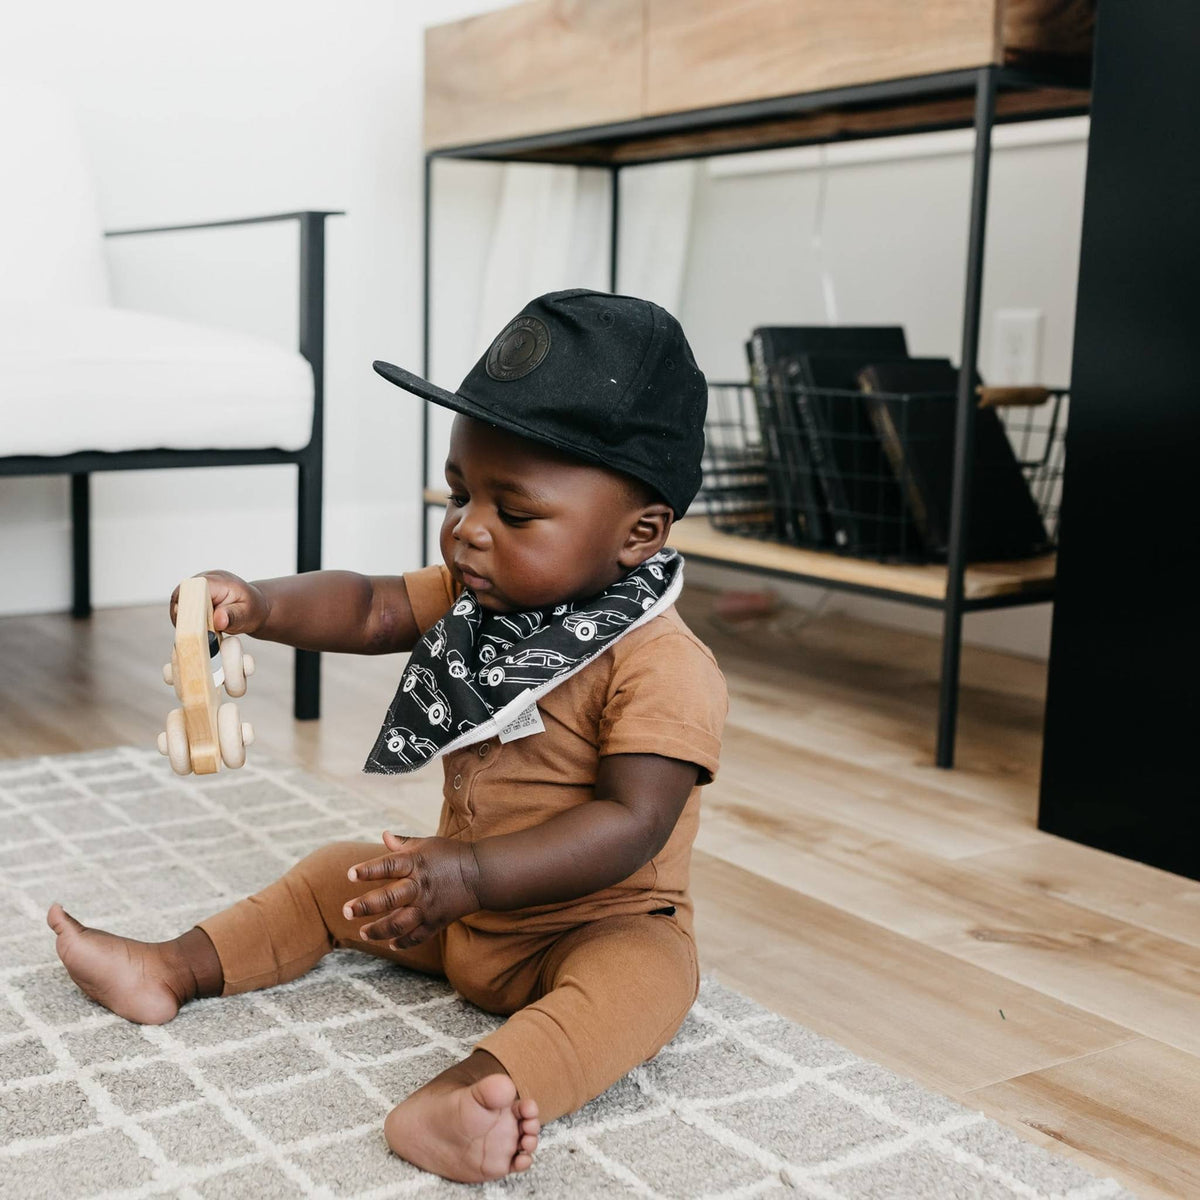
174,743
234,735
236,664
171,677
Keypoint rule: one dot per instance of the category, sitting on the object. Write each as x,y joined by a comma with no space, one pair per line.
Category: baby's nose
472,530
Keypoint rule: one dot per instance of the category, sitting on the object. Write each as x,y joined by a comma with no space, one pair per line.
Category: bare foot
469,1132
136,980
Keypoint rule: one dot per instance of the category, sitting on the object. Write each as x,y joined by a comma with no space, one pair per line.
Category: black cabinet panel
1122,758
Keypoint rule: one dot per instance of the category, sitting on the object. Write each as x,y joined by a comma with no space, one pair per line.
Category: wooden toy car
202,734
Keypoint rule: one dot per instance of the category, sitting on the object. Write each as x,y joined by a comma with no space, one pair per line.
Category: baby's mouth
477,583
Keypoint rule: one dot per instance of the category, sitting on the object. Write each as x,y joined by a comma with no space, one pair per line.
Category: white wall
233,108
256,106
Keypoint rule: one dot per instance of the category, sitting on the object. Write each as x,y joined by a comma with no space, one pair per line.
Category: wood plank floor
916,915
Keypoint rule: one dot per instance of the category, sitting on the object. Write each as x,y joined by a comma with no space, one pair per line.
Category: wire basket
869,474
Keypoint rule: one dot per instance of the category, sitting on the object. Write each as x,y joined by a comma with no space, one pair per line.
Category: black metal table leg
307,687
81,545
423,508
614,224
306,700
964,425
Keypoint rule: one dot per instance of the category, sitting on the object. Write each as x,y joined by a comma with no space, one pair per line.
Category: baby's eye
512,518
457,500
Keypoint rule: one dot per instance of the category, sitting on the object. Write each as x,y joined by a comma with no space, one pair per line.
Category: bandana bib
475,673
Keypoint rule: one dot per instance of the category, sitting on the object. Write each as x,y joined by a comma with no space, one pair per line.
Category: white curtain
552,232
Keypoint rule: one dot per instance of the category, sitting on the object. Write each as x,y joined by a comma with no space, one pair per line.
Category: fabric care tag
525,724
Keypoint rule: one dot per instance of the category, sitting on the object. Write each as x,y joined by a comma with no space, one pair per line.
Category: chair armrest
312,301
288,216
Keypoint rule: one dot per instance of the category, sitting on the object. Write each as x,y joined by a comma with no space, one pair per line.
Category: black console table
1120,769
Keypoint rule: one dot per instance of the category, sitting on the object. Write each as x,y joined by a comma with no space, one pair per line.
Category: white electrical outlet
1017,346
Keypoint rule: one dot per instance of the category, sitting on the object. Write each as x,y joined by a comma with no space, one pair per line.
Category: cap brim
452,400
420,387
461,404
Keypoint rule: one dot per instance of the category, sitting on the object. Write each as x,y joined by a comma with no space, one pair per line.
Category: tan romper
597,985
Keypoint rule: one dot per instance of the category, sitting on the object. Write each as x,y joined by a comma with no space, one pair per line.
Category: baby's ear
647,534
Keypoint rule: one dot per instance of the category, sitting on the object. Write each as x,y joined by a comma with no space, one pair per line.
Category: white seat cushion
74,378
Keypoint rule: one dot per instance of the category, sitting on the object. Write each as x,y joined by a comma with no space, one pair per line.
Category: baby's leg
469,1124
283,931
615,992
612,993
268,938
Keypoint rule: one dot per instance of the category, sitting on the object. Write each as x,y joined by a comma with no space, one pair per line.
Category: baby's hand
238,606
431,884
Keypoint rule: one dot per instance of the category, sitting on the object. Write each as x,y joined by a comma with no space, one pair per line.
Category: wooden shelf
695,538
627,81
788,121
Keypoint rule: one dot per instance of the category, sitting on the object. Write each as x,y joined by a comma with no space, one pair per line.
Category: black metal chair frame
308,459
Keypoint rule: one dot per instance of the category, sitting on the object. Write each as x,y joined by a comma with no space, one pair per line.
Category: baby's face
527,527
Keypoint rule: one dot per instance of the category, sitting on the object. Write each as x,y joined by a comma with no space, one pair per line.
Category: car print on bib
409,747
638,590
521,624
420,685
437,639
490,645
600,621
526,666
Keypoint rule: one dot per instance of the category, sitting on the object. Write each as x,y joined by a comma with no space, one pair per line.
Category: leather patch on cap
518,349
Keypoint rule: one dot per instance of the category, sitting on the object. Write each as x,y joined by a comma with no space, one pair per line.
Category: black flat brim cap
605,378
462,404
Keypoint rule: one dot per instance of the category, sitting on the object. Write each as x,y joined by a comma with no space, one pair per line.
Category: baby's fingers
396,894
231,607
387,866
414,937
397,925
229,618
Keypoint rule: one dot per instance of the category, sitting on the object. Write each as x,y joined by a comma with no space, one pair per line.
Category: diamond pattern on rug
283,1093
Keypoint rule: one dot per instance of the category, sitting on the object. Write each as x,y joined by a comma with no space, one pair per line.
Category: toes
522,1162
528,1143
60,920
527,1110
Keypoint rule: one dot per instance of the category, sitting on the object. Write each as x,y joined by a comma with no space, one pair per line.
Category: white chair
88,387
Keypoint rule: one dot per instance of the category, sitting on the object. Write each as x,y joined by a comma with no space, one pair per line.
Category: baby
576,716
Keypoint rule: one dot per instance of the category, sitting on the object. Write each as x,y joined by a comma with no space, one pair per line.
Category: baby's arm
319,610
434,881
638,799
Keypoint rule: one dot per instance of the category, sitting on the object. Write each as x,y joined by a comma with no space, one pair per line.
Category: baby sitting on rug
575,714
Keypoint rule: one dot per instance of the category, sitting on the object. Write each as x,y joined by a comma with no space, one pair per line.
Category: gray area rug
283,1093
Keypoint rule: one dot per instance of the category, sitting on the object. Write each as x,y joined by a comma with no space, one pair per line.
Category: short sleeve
431,592
667,696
